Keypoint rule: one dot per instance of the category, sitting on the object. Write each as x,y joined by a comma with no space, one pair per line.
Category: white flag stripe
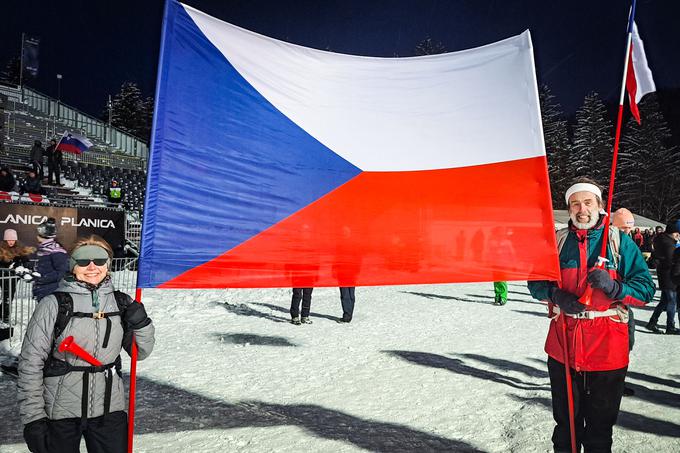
459,109
643,75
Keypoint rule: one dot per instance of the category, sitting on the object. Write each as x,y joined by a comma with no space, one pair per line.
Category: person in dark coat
54,160
52,262
37,159
7,180
664,248
32,184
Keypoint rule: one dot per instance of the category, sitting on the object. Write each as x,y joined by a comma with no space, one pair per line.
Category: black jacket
7,182
37,154
32,185
664,248
54,156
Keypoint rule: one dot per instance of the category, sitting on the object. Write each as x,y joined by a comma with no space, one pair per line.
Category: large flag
639,79
276,165
73,143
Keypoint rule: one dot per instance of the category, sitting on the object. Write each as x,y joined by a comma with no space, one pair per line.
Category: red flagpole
586,298
133,382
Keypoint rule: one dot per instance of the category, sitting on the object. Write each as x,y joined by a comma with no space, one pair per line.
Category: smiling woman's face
91,273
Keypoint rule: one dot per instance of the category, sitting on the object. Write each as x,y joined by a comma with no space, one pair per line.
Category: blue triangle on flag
225,163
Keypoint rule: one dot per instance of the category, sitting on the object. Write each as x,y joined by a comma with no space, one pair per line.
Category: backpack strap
614,242
561,234
123,301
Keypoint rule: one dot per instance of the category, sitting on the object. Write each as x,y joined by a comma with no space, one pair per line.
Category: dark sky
579,44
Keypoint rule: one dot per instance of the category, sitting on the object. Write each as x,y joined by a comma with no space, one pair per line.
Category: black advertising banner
71,223
31,46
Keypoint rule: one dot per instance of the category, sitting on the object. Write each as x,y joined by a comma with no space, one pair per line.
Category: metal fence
18,303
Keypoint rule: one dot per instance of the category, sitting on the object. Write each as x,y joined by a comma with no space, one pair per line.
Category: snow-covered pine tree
647,181
130,111
429,47
557,145
591,154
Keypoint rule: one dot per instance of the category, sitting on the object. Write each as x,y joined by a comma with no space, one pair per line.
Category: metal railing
18,303
56,111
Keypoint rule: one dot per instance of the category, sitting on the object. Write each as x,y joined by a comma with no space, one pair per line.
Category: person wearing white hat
596,334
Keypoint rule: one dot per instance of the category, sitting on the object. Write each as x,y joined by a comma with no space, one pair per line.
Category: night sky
579,44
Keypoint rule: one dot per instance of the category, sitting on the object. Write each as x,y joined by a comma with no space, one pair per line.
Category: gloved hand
568,302
36,274
35,435
20,271
27,277
136,317
600,279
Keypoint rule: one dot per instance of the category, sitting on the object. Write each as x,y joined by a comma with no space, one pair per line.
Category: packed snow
420,368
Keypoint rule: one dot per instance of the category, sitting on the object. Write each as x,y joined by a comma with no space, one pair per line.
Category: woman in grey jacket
61,396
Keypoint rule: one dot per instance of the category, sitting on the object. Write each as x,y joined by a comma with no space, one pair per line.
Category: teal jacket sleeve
541,289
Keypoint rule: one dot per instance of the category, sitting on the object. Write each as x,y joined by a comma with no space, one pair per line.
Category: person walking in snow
62,397
664,248
597,334
304,295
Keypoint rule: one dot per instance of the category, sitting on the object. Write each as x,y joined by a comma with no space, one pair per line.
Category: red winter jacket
598,344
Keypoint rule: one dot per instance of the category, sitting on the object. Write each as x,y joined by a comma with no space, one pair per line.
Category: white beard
594,217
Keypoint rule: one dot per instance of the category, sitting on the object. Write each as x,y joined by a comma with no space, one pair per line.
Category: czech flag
73,143
276,165
639,79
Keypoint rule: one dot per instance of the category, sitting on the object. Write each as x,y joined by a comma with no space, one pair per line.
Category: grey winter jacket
59,397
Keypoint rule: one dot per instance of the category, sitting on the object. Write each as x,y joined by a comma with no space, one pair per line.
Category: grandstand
29,116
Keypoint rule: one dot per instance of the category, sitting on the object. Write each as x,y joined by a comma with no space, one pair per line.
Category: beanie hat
673,226
48,229
10,235
623,218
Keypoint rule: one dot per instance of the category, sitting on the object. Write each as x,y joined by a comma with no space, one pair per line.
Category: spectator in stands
52,260
7,181
32,184
115,194
54,160
37,159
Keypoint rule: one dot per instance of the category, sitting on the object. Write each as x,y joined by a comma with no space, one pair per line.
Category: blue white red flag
73,143
639,79
276,165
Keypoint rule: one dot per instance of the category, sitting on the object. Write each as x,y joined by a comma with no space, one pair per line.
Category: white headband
582,187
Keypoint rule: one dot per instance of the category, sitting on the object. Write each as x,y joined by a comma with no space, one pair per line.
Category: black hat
673,226
48,229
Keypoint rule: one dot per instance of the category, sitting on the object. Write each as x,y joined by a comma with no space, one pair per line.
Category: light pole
58,87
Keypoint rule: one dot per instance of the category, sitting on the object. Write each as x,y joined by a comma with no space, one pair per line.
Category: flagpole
617,137
586,297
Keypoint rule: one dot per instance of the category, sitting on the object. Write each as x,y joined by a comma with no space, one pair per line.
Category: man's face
584,209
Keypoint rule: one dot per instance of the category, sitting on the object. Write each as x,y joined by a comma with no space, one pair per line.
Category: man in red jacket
597,334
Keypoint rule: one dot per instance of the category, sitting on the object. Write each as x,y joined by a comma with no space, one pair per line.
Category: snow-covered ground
421,368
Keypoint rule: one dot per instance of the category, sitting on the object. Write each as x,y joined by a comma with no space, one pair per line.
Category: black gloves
136,317
35,434
600,279
567,301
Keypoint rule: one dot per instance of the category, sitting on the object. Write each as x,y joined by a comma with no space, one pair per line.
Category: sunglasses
96,261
